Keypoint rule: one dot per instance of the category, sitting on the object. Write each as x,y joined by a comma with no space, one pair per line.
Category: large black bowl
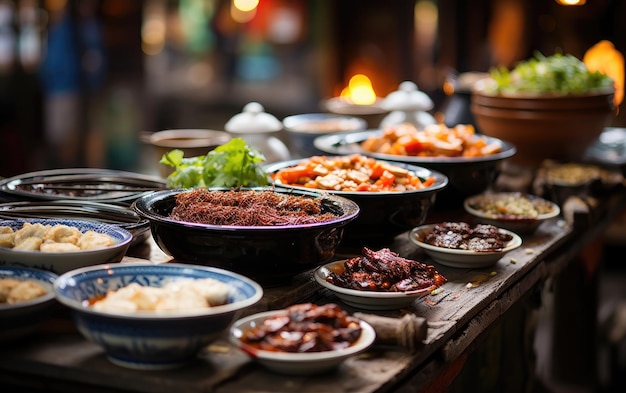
270,255
466,175
383,215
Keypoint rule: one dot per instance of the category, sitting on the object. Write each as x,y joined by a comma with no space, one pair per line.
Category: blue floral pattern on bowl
21,319
148,340
62,262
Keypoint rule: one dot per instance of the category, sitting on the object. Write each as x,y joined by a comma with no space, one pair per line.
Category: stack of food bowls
383,214
271,255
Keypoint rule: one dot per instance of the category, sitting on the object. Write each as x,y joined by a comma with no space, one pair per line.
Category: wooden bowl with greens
548,107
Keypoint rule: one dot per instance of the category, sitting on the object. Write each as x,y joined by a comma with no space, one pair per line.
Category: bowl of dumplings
26,300
59,246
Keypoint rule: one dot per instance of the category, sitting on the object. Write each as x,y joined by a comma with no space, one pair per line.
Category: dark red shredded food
305,328
247,208
386,271
462,236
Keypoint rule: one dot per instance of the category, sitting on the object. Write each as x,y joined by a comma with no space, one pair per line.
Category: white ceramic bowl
61,262
516,223
297,363
149,340
461,258
302,129
368,300
21,319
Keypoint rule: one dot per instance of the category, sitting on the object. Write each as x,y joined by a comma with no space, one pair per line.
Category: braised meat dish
462,236
386,271
305,328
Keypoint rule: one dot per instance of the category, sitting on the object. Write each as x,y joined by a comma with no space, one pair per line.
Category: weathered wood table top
58,357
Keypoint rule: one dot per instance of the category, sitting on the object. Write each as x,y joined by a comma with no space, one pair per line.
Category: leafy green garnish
232,164
559,73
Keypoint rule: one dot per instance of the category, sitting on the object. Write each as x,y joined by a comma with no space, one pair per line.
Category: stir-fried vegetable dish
351,173
434,140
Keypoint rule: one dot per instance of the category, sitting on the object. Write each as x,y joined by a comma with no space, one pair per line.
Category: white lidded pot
256,127
408,105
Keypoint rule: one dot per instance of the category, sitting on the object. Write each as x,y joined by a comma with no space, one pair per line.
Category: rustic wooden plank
360,374
468,304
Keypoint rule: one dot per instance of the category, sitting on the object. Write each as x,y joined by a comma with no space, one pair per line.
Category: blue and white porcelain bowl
21,319
61,262
149,340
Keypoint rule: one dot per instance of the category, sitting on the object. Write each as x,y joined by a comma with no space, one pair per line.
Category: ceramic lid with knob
253,120
256,127
407,105
407,98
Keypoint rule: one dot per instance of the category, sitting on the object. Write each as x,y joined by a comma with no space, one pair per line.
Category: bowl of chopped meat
269,235
471,162
518,212
459,244
26,300
60,245
379,280
303,339
393,197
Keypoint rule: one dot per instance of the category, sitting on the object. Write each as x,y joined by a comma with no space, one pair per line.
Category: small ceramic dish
22,318
309,363
369,300
61,262
514,213
461,258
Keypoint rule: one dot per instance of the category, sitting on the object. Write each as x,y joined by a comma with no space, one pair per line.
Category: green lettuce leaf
232,164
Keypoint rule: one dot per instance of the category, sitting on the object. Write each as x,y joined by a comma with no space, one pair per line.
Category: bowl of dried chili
267,234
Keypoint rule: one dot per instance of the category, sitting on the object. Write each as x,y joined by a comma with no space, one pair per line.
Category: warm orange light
242,11
359,91
571,2
604,58
245,5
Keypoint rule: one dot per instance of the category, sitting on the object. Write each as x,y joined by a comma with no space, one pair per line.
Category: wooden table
470,307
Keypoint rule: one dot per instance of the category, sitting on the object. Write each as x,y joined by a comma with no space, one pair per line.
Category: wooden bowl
559,127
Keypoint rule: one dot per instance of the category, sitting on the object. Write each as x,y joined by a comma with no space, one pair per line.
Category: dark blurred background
81,80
